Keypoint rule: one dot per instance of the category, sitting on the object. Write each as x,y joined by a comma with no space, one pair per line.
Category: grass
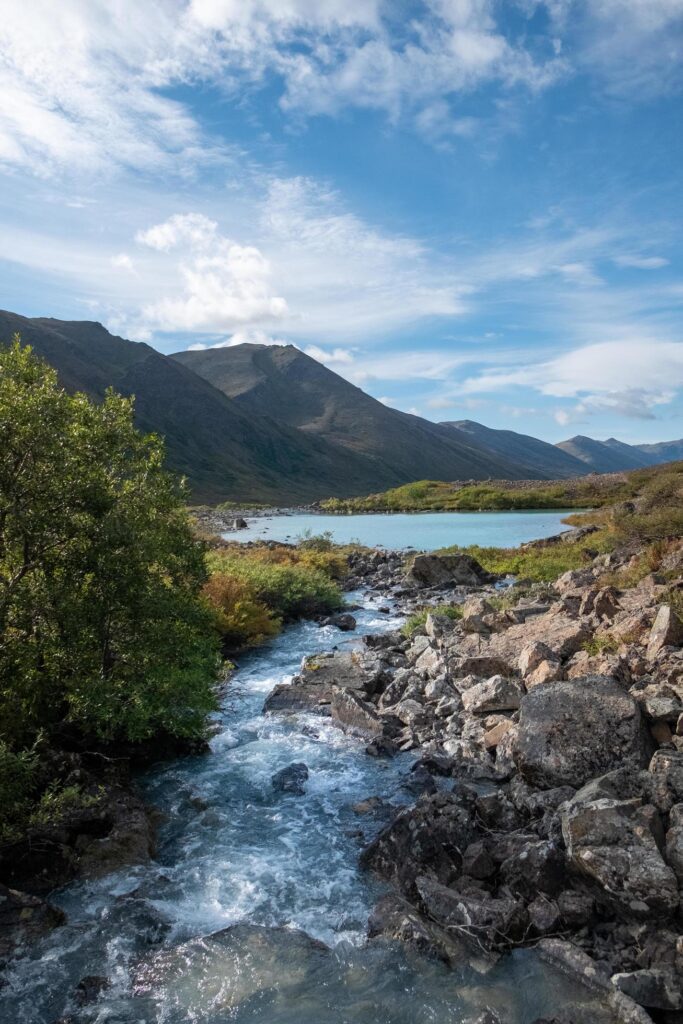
416,622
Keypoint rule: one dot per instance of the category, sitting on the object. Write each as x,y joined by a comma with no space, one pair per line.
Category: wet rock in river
291,779
24,919
343,621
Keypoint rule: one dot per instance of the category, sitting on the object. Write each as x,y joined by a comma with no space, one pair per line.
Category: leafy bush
101,624
240,618
19,779
290,588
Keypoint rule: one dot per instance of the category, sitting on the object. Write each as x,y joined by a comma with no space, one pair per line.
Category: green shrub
101,624
19,780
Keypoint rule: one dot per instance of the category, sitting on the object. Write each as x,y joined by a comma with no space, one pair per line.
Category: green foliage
240,618
415,623
439,496
101,625
541,564
19,779
253,590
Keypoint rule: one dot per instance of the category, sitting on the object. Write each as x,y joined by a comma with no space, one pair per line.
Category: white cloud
225,284
122,261
641,262
336,355
629,377
192,228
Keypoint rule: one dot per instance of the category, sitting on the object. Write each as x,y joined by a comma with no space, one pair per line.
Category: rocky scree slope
549,771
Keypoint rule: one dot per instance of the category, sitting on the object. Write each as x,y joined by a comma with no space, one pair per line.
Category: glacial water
425,530
234,852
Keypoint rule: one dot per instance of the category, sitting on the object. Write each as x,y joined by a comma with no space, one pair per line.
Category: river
425,530
232,850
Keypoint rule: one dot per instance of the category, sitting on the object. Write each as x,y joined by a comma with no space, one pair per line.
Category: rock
447,570
474,612
549,671
571,960
477,862
572,731
356,714
487,920
493,737
429,663
667,631
544,916
24,919
532,656
656,988
396,919
291,779
674,842
608,842
427,837
90,988
666,769
494,694
576,908
342,620
353,670
538,867
289,697
418,782
437,625
238,524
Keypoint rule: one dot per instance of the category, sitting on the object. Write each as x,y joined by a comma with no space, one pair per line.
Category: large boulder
447,571
431,836
611,843
571,731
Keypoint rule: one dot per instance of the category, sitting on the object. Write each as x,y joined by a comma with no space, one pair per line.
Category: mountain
539,459
609,456
220,449
258,423
662,451
285,383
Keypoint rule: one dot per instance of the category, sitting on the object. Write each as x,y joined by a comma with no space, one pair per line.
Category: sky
471,209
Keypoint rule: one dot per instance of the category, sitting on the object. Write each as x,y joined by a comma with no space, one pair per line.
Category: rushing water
233,851
424,530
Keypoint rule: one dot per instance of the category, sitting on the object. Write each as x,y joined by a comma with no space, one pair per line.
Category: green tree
102,629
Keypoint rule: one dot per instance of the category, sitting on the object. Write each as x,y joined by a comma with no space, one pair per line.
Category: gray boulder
572,731
24,919
610,843
494,694
447,570
291,779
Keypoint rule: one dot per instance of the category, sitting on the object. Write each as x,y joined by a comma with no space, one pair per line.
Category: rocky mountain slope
610,456
539,458
270,424
282,381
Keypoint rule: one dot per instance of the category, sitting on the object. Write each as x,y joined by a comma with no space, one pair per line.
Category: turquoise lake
424,530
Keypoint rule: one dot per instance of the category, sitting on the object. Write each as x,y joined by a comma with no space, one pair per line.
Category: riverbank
541,810
548,724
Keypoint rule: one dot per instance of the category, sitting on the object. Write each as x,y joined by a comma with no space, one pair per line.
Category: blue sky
471,209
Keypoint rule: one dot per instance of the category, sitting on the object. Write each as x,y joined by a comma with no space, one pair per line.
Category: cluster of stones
549,771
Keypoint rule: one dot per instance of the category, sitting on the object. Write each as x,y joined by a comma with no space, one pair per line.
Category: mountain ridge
257,423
